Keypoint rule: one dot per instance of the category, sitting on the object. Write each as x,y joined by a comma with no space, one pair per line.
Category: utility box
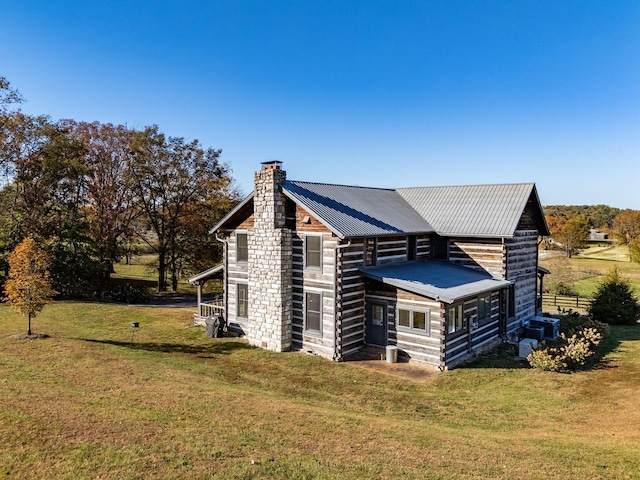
526,347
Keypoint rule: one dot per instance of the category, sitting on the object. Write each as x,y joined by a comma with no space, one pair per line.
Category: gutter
338,318
225,277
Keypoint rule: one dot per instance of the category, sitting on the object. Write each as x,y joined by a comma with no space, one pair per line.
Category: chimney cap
271,164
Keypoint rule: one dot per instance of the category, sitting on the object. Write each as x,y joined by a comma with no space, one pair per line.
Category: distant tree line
570,225
88,192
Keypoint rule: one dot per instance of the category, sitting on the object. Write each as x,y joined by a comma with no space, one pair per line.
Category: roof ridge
467,185
341,185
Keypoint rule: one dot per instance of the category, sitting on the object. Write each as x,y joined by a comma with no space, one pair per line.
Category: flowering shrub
570,352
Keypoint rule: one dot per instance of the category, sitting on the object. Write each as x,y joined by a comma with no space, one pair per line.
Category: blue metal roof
441,281
350,211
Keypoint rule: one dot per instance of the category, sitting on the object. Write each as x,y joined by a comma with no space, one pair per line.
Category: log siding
314,280
521,266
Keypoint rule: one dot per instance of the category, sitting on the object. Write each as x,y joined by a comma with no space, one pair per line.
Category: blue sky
376,93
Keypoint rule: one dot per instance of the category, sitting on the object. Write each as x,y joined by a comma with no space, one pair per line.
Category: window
484,308
412,319
313,312
411,247
242,248
243,300
454,318
313,251
370,252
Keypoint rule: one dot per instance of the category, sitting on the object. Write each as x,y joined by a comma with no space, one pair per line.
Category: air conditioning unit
536,333
551,326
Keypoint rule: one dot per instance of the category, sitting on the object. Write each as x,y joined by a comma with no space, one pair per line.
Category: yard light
134,327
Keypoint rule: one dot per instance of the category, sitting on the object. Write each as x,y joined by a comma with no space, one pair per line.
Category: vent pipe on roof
271,165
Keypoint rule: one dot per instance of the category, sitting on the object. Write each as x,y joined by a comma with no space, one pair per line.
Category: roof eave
332,229
210,272
230,215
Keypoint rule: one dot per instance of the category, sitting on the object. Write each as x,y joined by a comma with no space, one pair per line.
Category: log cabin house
440,272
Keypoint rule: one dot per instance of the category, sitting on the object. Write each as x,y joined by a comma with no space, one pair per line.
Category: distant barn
597,235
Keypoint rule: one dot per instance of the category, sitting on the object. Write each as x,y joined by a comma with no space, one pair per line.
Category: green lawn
584,272
88,403
142,272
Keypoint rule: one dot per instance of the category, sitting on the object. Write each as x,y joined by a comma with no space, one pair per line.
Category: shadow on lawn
204,351
619,334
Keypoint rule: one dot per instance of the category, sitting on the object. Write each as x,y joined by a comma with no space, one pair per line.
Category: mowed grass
585,271
142,272
89,403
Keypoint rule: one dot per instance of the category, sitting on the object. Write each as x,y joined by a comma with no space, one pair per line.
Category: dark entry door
377,323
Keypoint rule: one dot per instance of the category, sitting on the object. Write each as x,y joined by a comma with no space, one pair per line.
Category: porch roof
208,274
442,281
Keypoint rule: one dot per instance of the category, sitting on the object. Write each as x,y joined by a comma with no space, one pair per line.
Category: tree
28,288
573,236
9,120
614,302
626,227
8,95
634,251
110,200
555,224
171,176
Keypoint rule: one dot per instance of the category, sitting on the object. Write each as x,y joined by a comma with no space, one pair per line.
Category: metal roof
442,281
350,211
484,210
207,274
466,210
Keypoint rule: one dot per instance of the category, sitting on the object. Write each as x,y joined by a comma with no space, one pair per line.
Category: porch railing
213,307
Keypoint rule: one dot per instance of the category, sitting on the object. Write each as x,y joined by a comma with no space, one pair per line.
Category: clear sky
377,93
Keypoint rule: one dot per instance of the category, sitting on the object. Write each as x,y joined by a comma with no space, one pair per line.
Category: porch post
200,298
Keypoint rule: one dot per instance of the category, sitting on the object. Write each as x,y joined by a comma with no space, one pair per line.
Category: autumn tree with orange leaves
28,288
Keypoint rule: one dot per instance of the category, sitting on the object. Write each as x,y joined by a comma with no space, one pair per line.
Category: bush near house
571,351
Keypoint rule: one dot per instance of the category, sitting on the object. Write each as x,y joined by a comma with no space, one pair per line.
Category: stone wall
270,265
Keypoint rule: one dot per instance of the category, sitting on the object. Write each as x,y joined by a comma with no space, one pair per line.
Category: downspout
338,308
503,334
225,277
538,276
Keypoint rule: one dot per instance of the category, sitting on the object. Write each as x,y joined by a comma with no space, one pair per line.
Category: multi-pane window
455,321
412,319
313,312
243,300
242,247
313,251
484,308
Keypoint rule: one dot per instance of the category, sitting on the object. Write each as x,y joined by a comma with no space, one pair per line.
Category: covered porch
211,307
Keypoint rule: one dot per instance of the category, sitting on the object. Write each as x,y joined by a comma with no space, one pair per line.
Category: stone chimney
270,263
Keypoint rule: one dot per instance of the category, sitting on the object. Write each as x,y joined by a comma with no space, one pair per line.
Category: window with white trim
313,312
242,300
413,319
455,319
313,251
242,248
